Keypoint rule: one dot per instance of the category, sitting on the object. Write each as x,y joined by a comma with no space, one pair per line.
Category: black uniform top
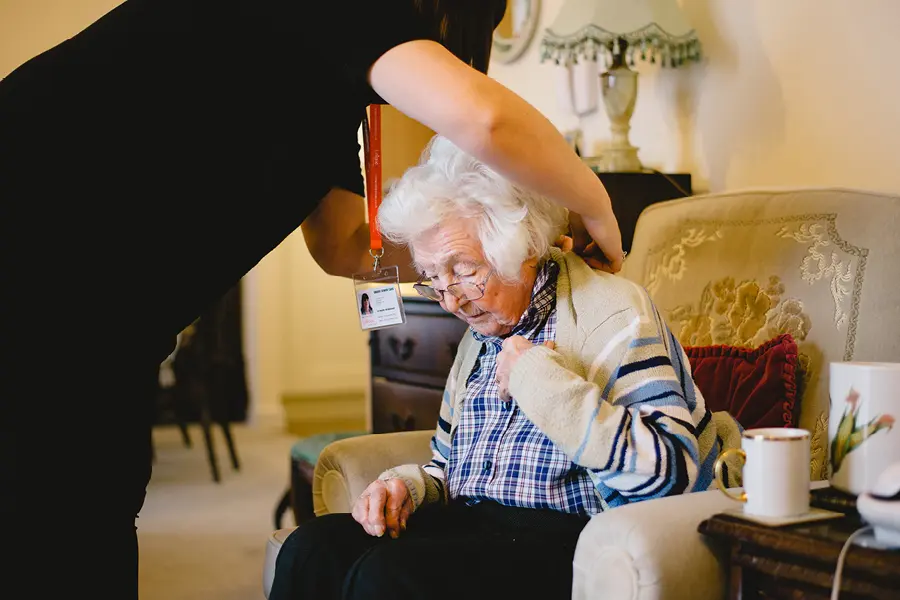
158,155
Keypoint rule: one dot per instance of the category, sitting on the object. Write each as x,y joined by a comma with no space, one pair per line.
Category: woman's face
452,253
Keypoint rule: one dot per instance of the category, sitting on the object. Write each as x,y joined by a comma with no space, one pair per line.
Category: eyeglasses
462,290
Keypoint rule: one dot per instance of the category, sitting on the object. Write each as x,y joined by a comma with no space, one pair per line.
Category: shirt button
486,466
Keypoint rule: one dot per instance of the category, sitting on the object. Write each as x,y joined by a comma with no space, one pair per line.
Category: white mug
862,439
775,472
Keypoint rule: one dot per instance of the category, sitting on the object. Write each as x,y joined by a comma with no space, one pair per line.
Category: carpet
205,540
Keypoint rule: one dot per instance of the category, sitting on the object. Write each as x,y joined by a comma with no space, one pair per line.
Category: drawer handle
408,425
402,350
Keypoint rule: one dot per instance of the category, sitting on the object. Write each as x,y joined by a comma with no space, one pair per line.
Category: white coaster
814,514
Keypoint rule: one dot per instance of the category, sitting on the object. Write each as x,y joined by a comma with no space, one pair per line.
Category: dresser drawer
403,407
425,345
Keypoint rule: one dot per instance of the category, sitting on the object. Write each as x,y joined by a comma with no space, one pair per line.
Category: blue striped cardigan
616,395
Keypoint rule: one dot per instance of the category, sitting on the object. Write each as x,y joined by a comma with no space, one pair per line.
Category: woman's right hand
384,506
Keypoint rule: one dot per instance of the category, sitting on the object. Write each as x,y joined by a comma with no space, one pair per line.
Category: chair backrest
739,268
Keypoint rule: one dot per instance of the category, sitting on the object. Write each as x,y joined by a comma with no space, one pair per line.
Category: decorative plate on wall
516,30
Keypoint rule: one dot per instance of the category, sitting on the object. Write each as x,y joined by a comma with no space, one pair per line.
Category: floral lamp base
863,442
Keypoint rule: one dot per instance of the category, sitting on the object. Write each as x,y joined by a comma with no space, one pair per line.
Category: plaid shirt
497,453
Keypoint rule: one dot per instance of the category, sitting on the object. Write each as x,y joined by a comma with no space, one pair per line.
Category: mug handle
720,462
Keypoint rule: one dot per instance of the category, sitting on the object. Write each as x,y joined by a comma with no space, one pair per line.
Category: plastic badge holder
378,299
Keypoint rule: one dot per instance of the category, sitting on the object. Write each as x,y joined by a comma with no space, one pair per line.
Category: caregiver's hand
513,349
384,506
598,241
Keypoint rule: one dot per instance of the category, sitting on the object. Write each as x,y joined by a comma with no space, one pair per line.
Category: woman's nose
452,303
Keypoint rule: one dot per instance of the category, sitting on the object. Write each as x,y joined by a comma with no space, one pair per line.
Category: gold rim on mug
790,437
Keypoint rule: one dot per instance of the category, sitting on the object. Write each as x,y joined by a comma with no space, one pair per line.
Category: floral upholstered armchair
740,268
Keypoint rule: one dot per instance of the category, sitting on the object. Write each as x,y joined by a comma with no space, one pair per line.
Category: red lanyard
372,146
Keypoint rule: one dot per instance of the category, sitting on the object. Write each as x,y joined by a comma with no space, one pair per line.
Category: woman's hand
597,241
513,349
384,506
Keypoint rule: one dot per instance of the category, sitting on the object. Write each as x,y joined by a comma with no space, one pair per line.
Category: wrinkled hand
597,241
384,506
513,349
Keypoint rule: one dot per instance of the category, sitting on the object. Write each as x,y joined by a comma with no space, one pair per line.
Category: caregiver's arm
624,416
337,236
428,83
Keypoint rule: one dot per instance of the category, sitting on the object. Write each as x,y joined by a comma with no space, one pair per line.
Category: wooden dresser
410,364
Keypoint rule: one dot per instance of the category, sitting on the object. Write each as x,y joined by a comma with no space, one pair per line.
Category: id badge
378,300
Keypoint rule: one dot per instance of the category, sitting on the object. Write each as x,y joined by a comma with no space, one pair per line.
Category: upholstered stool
304,454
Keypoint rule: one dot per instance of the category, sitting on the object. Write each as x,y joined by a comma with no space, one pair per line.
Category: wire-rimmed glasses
461,290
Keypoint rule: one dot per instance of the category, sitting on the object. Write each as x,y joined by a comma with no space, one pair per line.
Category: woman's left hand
513,349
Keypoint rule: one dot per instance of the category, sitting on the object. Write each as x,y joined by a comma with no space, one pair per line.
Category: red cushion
756,386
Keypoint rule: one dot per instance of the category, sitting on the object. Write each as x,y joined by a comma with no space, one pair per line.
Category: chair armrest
652,551
346,467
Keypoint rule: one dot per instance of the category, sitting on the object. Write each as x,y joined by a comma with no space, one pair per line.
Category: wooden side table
799,561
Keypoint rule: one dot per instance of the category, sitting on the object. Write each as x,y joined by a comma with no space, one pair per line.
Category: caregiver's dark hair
465,27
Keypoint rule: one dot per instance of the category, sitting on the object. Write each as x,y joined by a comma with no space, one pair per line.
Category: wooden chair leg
206,423
185,435
301,491
232,449
283,505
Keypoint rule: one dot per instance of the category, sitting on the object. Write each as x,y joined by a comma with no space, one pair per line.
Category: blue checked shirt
497,453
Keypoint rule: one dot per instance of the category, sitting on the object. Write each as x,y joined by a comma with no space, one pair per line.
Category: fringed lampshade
616,33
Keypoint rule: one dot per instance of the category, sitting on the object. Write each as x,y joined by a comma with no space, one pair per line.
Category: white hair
513,224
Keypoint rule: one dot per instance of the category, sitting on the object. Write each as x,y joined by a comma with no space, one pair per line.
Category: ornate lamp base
619,88
619,160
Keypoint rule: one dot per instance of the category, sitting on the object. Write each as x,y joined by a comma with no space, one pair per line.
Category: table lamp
616,33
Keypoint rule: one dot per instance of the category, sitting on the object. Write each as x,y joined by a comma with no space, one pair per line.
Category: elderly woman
569,396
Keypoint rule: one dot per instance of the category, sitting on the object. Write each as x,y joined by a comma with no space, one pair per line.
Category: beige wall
28,27
791,92
302,333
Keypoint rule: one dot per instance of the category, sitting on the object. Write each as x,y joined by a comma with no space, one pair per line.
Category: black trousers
80,377
483,551
75,472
